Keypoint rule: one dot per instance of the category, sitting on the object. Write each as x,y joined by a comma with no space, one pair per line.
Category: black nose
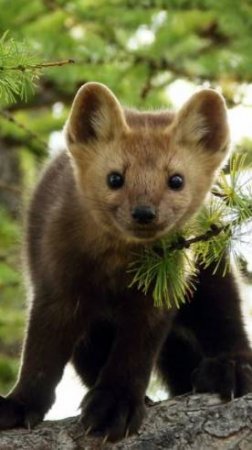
143,214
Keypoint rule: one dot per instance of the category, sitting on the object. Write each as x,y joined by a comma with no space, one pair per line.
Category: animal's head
143,175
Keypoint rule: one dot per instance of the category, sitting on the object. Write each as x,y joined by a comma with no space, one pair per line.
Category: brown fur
81,236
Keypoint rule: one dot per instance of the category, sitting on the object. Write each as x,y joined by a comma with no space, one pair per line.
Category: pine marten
126,179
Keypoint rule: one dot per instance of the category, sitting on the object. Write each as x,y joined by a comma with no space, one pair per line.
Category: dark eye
176,182
115,180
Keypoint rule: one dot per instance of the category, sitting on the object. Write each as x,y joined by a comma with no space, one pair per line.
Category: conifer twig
45,65
213,231
10,118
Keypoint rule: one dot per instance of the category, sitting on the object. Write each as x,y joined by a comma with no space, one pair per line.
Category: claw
105,439
87,431
127,433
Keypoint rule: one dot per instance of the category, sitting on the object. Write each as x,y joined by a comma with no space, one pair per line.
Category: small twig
219,194
10,118
148,84
213,231
45,65
207,236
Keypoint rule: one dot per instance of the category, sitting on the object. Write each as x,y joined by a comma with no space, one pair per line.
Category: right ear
96,115
202,121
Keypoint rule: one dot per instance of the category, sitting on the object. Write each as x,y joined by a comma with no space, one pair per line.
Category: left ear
202,122
95,116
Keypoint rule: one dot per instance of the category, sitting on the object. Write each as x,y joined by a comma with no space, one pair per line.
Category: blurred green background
149,52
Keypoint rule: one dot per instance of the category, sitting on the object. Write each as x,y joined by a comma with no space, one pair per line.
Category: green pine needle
235,192
17,78
170,274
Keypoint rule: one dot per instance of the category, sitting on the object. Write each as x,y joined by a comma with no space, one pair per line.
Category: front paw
228,375
15,414
112,412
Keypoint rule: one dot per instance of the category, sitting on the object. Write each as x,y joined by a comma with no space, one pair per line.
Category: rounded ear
95,115
202,121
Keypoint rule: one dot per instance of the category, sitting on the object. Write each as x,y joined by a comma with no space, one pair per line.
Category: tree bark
198,422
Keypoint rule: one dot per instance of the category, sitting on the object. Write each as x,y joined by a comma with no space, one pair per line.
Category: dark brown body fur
83,311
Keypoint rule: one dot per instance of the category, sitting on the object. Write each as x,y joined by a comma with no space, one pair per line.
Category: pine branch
19,69
10,118
213,231
45,65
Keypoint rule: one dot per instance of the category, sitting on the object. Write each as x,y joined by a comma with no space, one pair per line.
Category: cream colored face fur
147,150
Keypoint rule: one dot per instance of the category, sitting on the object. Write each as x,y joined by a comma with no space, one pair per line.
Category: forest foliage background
147,52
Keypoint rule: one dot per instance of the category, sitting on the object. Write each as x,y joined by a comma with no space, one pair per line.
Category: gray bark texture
199,422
